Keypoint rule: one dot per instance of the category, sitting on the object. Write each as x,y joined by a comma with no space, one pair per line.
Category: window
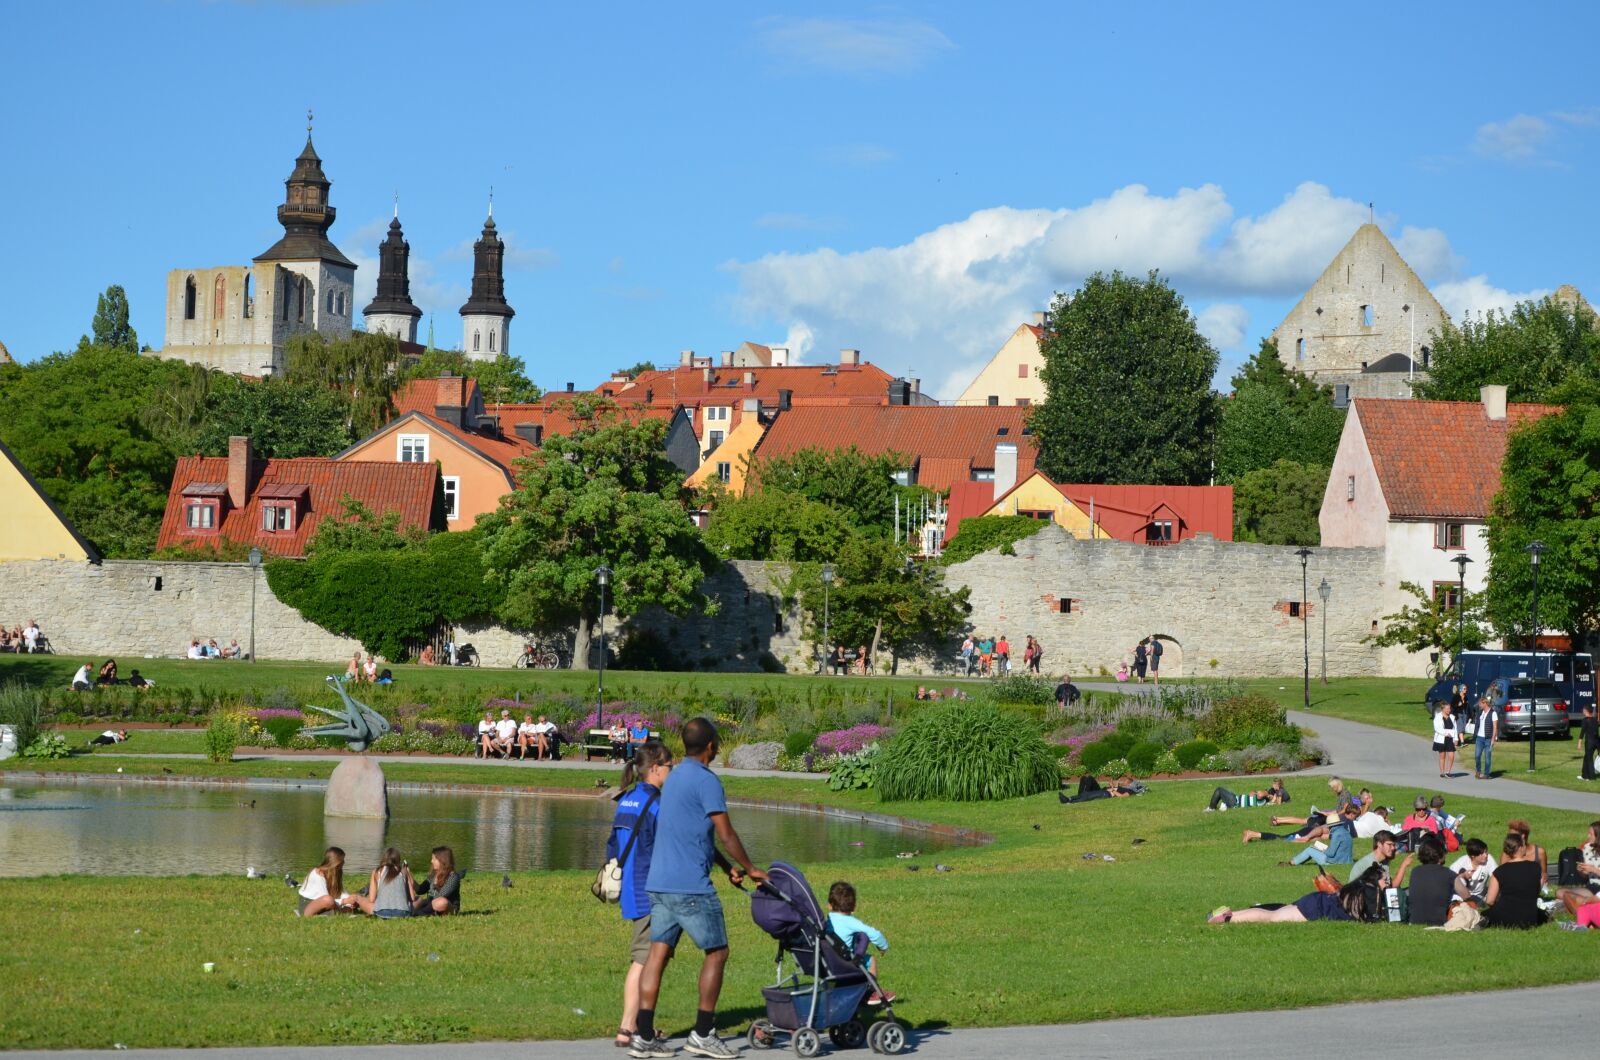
1427,355
1447,595
249,299
288,295
330,301
188,298
1299,349
277,518
491,340
902,477
1064,605
1366,316
994,399
1029,513
724,471
452,496
983,474
1022,371
1159,532
1294,608
219,297
716,412
475,345
302,292
714,438
1341,395
413,449
1350,488
1448,535
200,515
1024,402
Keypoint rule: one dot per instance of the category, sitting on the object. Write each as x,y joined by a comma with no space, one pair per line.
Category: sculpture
359,726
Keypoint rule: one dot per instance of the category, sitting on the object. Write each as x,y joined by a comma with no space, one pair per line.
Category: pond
131,829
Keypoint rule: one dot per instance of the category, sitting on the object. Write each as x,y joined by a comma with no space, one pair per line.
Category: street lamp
1534,550
1305,629
602,575
827,580
1324,590
255,567
1461,562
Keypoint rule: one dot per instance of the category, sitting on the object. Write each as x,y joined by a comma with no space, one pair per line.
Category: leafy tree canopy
774,525
1280,504
282,419
879,600
361,369
637,370
1535,348
859,486
111,327
1431,624
1128,378
1549,492
977,536
502,380
1275,414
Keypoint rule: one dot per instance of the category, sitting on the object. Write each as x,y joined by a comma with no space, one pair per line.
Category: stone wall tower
392,312
486,318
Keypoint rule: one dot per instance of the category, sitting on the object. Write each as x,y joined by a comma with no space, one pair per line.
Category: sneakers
708,1045
655,1047
1208,810
884,998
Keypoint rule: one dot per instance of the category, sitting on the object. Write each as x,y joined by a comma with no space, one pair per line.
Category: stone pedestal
357,789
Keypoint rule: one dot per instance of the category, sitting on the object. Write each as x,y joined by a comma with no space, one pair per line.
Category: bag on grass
607,885
1325,882
1567,868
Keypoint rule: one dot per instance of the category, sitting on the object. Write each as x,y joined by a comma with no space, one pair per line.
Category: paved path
1545,1024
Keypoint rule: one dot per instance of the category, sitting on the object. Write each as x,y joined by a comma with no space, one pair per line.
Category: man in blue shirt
693,816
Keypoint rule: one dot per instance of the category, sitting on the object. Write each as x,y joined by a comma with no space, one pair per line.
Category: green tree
175,413
881,600
976,536
605,494
770,524
1128,383
76,421
1531,350
637,370
1549,492
111,327
1280,504
859,486
1275,414
361,369
502,380
281,419
1431,624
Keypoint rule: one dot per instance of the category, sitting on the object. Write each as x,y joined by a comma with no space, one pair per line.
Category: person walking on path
1155,658
1140,661
1591,742
692,820
632,842
1486,733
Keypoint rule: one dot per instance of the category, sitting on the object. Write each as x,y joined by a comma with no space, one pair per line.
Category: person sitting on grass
390,893
842,921
1514,888
1349,904
1341,840
1537,853
1384,848
1433,887
439,892
1223,799
82,681
323,890
425,656
1474,869
107,674
139,681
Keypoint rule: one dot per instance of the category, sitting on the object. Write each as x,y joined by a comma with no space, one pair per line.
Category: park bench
598,742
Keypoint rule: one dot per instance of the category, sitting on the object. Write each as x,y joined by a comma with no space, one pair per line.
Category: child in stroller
829,982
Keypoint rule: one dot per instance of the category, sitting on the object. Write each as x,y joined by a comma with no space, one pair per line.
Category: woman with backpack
631,843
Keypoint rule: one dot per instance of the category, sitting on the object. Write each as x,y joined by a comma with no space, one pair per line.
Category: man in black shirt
1433,887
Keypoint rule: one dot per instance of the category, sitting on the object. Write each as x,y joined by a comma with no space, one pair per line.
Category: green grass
994,942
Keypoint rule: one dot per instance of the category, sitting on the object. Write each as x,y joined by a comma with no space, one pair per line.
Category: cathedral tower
392,311
486,318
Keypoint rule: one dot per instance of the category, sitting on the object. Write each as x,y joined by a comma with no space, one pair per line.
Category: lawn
1020,931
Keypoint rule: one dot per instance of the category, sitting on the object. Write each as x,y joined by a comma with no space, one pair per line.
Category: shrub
849,741
1142,758
23,708
419,740
1114,768
47,745
1215,763
1119,743
1094,756
222,736
1229,718
298,742
1190,754
1168,763
966,752
977,536
854,772
389,741
1020,688
452,745
798,743
281,727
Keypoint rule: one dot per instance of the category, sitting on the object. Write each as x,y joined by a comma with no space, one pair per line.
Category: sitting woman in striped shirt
1225,800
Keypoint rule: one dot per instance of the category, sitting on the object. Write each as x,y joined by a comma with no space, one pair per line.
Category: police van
1573,673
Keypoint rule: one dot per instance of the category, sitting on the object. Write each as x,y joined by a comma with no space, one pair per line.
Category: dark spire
394,279
488,274
306,215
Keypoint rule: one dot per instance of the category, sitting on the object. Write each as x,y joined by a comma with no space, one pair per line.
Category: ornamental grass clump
966,752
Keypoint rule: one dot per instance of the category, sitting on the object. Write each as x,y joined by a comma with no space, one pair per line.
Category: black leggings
1223,797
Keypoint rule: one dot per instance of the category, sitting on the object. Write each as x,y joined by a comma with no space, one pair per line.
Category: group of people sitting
391,890
505,737
27,638
88,677
208,649
372,671
842,660
926,693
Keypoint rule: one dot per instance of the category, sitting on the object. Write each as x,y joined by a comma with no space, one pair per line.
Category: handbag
1325,882
607,885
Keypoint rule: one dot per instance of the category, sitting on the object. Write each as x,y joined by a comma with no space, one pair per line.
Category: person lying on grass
1326,830
1349,904
1223,799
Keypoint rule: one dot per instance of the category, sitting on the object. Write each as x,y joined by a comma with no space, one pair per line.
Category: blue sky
910,180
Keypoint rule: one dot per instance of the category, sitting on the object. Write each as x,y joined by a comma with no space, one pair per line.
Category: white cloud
853,45
1517,139
798,342
1578,116
1224,323
946,299
1476,296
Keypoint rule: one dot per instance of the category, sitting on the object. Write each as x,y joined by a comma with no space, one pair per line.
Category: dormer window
280,506
278,517
202,507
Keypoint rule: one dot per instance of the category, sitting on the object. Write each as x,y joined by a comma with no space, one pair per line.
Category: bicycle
540,657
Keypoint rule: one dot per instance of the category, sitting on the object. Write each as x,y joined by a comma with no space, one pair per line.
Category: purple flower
849,741
263,713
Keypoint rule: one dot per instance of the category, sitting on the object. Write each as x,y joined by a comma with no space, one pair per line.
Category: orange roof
945,442
424,395
1124,511
406,488
865,384
1439,459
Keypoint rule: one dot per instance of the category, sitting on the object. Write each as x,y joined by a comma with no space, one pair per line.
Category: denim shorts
698,914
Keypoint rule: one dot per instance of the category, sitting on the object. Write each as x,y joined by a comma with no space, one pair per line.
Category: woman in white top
1444,738
486,735
527,736
323,891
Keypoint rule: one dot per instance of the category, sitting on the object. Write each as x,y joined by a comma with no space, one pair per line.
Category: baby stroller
828,983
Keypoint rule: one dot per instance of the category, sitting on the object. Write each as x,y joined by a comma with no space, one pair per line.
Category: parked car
1525,705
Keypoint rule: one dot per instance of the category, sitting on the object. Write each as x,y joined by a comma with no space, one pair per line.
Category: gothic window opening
219,297
491,341
249,299
1366,316
188,299
475,342
1299,349
301,290
1427,355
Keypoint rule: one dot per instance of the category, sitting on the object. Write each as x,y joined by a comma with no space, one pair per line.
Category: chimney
1005,468
1494,401
705,377
899,392
569,388
750,379
241,471
530,432
649,395
447,374
916,386
780,356
785,400
1041,319
620,377
686,359
752,406
727,358
850,357
451,414
489,424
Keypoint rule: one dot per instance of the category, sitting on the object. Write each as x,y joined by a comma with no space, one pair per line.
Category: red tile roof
865,384
406,488
424,395
1438,459
1123,512
944,442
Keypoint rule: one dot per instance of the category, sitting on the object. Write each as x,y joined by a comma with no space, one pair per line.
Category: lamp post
1305,629
1534,550
602,575
1324,590
1461,562
255,568
827,581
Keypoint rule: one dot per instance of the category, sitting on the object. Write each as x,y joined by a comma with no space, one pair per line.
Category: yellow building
34,527
729,461
1012,376
1038,497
